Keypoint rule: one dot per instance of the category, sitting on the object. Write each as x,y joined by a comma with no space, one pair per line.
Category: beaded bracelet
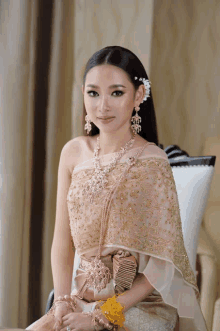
91,314
70,300
97,316
98,321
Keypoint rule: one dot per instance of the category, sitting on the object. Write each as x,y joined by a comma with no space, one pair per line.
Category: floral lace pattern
144,213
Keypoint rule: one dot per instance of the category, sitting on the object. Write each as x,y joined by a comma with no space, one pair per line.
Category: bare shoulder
155,150
73,144
151,149
73,151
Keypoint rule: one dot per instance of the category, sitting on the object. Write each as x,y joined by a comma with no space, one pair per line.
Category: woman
117,201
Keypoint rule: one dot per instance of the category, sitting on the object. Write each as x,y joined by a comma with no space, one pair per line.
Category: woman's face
105,100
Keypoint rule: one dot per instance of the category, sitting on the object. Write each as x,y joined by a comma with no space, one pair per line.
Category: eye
112,92
119,92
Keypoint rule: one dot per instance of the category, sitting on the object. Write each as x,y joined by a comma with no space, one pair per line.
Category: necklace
98,181
97,274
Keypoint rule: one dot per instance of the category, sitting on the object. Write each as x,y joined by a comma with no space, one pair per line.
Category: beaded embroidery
144,214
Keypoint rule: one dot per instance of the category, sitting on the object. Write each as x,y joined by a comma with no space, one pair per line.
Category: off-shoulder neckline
80,165
102,156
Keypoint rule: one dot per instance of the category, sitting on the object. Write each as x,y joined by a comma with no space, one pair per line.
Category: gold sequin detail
144,213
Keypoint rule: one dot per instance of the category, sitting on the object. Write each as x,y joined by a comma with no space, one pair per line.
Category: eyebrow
111,86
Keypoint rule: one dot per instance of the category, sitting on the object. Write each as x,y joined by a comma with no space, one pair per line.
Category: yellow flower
112,310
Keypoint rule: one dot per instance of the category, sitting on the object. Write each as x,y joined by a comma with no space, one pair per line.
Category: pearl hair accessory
147,84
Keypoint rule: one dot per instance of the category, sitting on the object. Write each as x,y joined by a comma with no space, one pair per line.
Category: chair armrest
208,263
216,317
208,288
50,301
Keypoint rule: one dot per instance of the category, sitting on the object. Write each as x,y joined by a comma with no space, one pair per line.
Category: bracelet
51,311
98,321
90,314
69,299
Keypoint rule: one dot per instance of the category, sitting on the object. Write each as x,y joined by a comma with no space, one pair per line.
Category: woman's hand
77,322
61,310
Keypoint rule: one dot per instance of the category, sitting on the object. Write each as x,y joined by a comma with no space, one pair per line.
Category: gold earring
136,119
88,126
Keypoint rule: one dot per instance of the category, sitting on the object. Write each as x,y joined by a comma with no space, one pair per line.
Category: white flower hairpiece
147,84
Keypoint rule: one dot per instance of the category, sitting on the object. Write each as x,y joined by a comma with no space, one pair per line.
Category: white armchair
193,178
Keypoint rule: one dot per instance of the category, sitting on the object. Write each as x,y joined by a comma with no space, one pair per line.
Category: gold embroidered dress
143,219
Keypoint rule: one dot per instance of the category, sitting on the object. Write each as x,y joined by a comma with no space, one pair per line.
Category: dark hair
123,58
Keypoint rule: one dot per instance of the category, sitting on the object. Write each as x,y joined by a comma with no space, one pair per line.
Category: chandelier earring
136,119
88,126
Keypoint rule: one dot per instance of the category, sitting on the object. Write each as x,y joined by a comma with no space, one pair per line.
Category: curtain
185,71
36,92
44,47
49,43
18,56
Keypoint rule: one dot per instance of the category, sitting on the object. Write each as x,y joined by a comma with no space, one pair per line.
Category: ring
68,328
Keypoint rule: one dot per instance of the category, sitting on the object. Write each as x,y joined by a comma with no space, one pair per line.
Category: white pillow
193,177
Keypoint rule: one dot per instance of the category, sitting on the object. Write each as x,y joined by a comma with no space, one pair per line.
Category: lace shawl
143,214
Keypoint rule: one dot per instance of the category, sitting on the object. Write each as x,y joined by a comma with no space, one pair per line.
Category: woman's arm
62,269
140,289
62,255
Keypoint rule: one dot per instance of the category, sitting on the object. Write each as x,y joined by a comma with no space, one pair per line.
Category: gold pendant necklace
98,181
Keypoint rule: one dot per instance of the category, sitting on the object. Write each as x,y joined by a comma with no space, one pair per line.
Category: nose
104,106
